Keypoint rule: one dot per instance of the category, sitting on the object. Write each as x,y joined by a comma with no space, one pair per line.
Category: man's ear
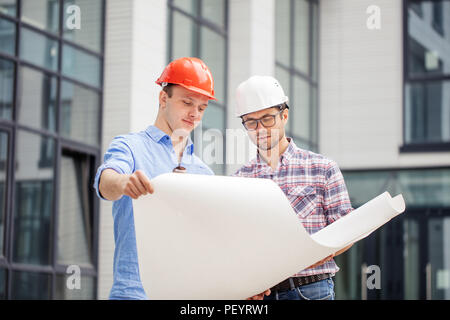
162,98
285,114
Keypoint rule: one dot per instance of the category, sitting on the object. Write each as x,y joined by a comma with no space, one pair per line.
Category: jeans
320,290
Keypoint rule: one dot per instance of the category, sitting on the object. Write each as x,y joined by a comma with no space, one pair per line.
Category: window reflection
2,284
428,38
8,7
89,34
6,88
80,111
7,37
37,107
213,53
184,34
3,170
296,67
190,6
34,196
420,188
427,112
42,14
81,66
39,49
75,213
30,286
214,10
439,259
86,291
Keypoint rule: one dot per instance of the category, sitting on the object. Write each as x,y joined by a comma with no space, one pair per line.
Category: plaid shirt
314,186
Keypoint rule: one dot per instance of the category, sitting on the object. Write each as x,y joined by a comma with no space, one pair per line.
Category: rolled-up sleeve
336,200
118,157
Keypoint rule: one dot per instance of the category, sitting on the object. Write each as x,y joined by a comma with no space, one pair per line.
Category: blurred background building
375,100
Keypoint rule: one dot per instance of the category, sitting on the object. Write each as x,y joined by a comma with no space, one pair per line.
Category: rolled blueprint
217,237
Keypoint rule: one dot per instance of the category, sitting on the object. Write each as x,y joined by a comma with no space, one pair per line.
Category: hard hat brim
259,108
191,88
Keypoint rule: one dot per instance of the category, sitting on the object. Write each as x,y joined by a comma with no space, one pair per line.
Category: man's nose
194,114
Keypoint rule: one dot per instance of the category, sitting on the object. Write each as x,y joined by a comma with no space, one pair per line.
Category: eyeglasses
267,121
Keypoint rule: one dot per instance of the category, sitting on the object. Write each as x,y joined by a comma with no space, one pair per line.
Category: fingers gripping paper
216,237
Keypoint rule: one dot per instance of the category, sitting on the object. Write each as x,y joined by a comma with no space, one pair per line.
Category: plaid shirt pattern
315,187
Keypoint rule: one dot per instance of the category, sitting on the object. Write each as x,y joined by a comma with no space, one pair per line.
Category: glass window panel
428,40
80,112
282,31
411,255
75,214
214,117
190,6
30,286
39,49
314,115
363,186
283,78
212,149
8,7
2,284
301,36
438,257
213,54
427,112
184,36
420,188
81,66
315,41
6,88
7,37
300,110
37,103
3,183
34,198
214,11
42,14
86,291
348,279
417,8
90,29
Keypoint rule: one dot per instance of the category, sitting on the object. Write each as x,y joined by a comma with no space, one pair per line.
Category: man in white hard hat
313,184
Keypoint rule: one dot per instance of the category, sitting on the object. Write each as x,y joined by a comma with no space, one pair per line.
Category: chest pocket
303,200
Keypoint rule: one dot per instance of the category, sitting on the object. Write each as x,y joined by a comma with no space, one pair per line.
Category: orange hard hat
190,73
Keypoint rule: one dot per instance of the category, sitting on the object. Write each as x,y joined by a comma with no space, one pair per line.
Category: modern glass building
50,110
76,73
413,250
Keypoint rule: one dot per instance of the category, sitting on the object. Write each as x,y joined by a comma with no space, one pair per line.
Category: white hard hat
258,93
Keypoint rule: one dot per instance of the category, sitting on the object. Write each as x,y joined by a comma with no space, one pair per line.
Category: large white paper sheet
217,237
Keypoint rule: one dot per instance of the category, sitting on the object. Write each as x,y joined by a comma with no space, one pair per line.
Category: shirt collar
160,136
289,152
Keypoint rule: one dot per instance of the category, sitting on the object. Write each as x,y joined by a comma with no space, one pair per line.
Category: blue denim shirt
152,152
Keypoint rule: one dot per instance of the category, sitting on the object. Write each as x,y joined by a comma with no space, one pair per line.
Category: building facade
368,86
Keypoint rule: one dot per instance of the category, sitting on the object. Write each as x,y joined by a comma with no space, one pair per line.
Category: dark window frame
411,79
62,145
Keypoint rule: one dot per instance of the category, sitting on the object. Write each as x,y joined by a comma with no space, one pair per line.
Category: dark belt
291,283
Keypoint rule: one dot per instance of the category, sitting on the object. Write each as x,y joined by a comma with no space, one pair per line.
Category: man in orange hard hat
133,159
